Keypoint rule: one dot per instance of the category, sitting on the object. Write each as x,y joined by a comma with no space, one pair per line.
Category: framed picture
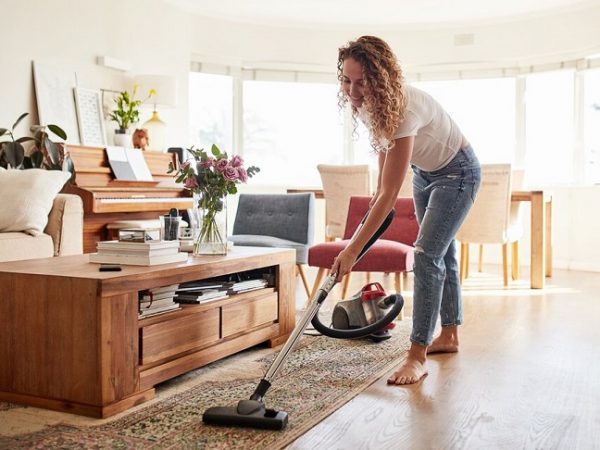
90,117
54,94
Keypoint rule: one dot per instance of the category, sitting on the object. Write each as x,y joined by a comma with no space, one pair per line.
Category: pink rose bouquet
211,177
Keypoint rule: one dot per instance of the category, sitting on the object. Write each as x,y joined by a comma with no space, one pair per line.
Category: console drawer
172,337
239,317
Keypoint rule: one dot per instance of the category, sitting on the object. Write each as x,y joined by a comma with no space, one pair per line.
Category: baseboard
564,264
575,265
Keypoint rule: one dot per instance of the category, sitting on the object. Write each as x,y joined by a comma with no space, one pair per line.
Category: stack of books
148,253
237,287
158,301
197,292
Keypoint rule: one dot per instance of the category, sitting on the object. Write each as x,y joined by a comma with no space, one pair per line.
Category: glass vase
212,234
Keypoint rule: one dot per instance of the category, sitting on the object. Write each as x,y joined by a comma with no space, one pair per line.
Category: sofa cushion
27,197
15,246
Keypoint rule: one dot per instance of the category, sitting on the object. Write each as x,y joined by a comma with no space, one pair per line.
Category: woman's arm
381,161
393,171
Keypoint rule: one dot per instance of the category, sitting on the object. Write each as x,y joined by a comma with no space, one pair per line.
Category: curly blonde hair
385,99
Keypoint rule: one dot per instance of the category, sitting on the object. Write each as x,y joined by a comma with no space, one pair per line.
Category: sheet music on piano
128,164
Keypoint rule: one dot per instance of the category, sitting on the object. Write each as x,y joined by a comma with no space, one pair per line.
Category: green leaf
58,131
25,139
215,151
21,117
68,166
53,151
36,159
3,131
27,164
171,168
14,154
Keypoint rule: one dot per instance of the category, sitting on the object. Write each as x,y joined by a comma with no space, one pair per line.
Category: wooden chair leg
302,274
467,259
515,260
398,285
318,279
464,261
368,277
505,264
461,266
345,284
480,263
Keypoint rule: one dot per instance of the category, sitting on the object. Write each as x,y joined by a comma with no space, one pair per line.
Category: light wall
149,35
156,37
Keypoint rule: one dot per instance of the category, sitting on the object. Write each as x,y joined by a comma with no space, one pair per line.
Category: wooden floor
527,376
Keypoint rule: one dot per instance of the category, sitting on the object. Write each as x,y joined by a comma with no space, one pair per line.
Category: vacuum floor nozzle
248,413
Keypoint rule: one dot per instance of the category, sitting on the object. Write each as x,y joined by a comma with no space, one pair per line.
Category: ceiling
375,13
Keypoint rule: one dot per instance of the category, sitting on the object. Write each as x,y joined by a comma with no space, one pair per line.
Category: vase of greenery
126,113
37,151
211,178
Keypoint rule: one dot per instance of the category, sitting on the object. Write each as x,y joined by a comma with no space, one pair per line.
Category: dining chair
393,252
277,220
339,184
488,221
517,183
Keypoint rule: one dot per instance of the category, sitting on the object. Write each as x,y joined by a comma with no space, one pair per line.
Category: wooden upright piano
106,200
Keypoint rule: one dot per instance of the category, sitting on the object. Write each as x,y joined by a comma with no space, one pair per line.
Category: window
484,110
362,150
549,133
211,111
289,128
591,125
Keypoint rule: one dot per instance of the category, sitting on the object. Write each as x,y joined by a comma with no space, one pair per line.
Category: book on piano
128,164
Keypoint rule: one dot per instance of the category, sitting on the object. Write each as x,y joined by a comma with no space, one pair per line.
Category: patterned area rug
318,377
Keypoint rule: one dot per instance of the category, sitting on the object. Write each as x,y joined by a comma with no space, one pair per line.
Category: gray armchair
276,220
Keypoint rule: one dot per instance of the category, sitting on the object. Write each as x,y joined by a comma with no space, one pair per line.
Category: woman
408,127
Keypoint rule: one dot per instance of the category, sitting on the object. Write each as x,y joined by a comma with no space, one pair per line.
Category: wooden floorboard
527,376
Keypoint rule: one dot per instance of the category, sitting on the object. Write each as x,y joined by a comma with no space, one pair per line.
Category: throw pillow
27,197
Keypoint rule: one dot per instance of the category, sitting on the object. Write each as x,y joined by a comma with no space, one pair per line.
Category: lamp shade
164,85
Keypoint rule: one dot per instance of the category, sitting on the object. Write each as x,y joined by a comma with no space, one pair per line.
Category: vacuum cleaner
368,313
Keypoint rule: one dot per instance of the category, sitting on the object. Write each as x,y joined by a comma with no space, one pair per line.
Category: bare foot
408,373
446,342
443,345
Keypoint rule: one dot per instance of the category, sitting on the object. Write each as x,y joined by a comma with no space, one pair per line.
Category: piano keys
106,200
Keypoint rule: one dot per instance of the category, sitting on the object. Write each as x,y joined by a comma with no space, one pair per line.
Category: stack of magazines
157,301
197,292
147,253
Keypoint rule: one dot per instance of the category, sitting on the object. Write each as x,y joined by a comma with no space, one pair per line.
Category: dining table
541,229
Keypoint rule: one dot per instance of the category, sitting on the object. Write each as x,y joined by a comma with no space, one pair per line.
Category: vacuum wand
252,412
320,297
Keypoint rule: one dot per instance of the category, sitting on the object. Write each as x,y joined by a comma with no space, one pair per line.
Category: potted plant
43,152
126,113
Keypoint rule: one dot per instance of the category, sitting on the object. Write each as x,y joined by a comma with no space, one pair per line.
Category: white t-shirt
437,137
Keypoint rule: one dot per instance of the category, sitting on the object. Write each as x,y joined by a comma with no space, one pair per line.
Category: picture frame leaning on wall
90,117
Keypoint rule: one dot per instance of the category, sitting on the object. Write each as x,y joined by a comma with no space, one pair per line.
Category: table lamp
166,96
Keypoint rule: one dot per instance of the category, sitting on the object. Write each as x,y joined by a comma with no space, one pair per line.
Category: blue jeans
442,200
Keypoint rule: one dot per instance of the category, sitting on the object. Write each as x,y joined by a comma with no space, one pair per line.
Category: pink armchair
392,253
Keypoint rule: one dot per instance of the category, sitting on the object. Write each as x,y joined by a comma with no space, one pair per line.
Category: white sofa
63,234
